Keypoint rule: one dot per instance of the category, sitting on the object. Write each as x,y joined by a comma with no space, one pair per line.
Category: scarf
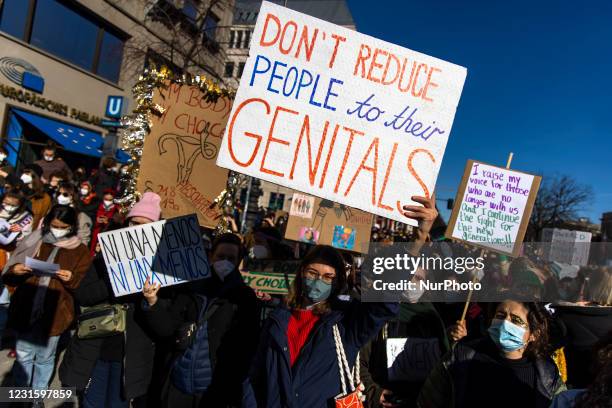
86,200
43,281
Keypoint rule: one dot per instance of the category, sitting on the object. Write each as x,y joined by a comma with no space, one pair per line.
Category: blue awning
72,138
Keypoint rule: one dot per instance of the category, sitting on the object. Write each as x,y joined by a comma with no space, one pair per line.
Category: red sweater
300,325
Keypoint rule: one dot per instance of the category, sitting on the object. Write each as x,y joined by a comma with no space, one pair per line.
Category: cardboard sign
492,207
340,115
178,158
268,282
331,224
567,246
269,276
169,251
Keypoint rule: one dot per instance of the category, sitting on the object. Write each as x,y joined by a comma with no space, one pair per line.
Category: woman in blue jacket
297,365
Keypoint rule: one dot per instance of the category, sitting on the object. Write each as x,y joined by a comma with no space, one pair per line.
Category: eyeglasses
326,277
513,318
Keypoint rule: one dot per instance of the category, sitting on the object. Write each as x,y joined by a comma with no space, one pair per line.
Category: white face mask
59,232
63,200
2,156
259,252
108,203
26,178
84,191
10,208
223,268
49,158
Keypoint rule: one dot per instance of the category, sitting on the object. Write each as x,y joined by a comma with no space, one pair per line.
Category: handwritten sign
493,207
182,146
330,224
169,251
272,283
567,246
340,115
269,276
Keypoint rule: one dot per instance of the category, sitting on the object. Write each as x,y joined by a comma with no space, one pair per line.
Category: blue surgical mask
317,290
507,335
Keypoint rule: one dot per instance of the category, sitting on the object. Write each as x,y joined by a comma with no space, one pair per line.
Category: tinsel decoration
225,201
137,126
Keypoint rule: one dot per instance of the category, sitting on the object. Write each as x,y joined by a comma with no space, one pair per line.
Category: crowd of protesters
218,343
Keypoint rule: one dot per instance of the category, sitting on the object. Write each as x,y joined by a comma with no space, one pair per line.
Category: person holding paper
211,328
110,371
15,224
42,307
15,220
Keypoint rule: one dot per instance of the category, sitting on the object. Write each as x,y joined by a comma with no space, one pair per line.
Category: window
276,202
229,69
247,39
65,32
111,54
240,69
190,10
231,40
210,26
238,39
14,17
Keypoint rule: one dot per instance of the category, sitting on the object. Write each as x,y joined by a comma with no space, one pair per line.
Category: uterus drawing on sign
324,207
189,149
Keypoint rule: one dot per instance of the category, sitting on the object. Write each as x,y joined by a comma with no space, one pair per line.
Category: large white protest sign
340,115
168,251
567,246
493,207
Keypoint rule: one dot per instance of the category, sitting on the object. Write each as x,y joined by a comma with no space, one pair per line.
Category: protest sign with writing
331,224
178,158
492,207
340,115
169,251
566,246
269,276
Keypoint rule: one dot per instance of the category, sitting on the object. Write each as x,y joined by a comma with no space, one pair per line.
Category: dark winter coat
232,317
586,325
416,321
314,379
449,383
138,348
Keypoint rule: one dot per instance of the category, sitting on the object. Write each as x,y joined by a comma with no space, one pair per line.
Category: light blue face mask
317,290
507,335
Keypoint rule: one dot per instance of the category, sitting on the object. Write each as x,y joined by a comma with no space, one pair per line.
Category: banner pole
482,251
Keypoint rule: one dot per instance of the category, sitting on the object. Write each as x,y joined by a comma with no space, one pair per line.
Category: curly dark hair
538,321
599,393
325,254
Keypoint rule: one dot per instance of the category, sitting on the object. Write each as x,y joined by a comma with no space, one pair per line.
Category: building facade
67,67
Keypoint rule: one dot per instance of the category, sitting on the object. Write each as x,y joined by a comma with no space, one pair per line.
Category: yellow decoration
136,127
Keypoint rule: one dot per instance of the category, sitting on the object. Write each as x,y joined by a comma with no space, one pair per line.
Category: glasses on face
314,275
513,318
